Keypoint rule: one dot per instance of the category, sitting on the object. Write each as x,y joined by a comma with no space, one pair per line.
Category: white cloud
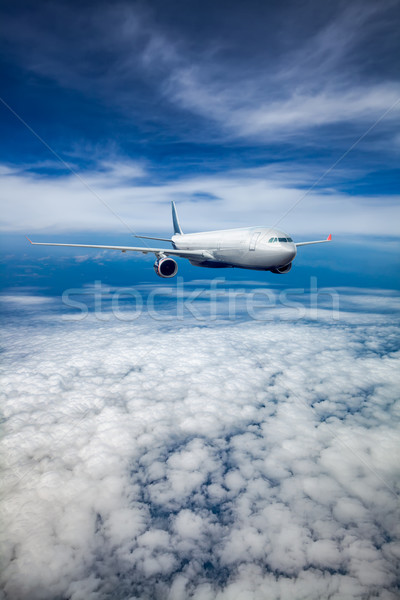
25,299
146,460
32,203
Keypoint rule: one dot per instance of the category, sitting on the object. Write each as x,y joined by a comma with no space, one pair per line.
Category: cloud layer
256,460
34,203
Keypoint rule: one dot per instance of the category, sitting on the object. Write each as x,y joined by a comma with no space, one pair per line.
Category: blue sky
218,435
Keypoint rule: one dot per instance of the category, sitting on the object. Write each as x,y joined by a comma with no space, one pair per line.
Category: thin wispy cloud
318,83
130,58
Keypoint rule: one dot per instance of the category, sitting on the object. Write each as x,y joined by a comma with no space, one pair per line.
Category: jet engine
282,270
166,267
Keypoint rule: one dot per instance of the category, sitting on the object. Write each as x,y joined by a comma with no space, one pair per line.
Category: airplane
257,248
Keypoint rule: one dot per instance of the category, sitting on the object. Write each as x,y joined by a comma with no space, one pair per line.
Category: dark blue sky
234,110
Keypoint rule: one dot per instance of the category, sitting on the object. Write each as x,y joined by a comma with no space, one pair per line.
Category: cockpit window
282,239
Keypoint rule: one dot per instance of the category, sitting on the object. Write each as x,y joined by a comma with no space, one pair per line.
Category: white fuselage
261,248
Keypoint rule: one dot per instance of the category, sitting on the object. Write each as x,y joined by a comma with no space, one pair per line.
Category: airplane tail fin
175,220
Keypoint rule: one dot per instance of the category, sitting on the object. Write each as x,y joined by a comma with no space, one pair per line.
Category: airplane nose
291,251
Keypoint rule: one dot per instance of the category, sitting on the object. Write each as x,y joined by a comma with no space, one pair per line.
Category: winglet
30,241
329,238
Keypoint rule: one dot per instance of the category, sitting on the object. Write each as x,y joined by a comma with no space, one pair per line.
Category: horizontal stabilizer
148,237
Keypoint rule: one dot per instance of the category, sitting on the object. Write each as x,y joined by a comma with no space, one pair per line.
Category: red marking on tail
329,238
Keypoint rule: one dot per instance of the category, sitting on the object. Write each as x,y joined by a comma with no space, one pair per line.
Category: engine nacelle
282,270
166,267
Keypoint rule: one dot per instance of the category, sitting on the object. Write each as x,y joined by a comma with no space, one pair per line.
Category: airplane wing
328,239
200,254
